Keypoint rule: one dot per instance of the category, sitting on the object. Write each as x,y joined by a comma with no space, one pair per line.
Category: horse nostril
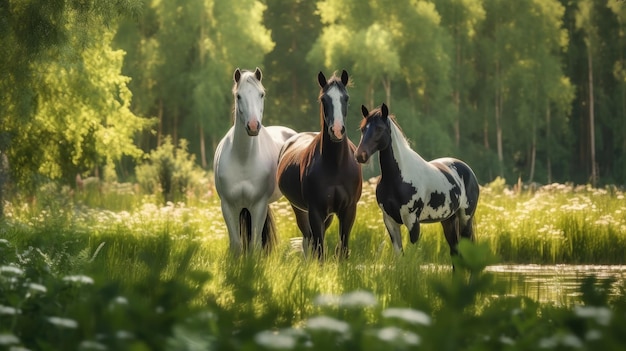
361,157
343,130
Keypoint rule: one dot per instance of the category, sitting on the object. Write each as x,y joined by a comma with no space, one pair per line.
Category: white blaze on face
250,104
335,96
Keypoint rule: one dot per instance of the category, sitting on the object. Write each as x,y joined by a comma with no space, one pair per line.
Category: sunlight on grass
151,267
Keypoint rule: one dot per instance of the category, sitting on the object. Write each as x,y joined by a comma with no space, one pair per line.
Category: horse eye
262,95
238,97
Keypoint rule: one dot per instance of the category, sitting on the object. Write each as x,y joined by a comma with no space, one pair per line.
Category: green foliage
66,110
496,186
171,172
502,85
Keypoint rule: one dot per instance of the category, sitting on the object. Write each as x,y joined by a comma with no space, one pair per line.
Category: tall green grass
554,224
151,277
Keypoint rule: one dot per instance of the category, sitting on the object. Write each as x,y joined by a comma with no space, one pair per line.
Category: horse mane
376,113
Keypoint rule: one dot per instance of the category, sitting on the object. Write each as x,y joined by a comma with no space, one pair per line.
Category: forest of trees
531,89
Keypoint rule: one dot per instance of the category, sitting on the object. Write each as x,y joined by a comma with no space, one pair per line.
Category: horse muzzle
252,128
361,156
336,133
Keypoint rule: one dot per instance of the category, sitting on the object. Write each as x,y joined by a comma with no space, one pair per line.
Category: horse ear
364,111
237,75
321,79
344,77
258,74
384,110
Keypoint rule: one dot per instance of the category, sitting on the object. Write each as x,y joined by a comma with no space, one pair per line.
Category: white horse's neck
244,145
409,162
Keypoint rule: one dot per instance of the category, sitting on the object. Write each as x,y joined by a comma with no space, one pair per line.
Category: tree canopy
531,89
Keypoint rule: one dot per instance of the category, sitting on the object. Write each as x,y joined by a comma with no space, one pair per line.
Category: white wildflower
357,299
602,314
593,334
324,323
120,300
571,340
506,340
395,334
548,343
124,335
8,339
11,269
63,322
82,279
18,348
275,340
91,345
408,315
34,287
326,300
8,310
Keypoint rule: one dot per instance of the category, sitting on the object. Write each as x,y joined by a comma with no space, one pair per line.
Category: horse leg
451,231
346,221
467,229
328,222
302,220
258,215
317,224
231,218
395,234
268,234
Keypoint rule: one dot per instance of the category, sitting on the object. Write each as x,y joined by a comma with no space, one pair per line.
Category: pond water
558,284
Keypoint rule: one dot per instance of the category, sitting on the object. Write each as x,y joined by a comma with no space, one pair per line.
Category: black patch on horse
437,199
393,191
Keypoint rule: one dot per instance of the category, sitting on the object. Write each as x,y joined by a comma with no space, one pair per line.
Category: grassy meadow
109,269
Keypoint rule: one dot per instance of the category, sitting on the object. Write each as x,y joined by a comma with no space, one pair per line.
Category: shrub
170,172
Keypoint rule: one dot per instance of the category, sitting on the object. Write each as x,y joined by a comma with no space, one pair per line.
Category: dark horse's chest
331,182
331,186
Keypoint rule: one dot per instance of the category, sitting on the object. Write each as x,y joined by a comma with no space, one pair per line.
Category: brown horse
318,174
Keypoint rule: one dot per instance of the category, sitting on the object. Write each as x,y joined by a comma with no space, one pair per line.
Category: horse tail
268,235
245,228
472,191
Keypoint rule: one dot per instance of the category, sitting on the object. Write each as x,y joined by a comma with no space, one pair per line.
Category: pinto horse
413,191
245,167
318,174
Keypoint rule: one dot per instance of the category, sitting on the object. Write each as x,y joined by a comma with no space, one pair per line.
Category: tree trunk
457,94
387,86
370,94
202,148
202,55
160,115
533,154
498,113
592,131
548,142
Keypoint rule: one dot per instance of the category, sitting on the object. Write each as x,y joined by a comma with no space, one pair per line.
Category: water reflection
558,284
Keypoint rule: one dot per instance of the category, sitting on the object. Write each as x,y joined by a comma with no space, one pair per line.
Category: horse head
334,102
375,132
249,99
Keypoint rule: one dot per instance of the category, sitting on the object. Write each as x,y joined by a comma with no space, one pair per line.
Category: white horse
245,167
